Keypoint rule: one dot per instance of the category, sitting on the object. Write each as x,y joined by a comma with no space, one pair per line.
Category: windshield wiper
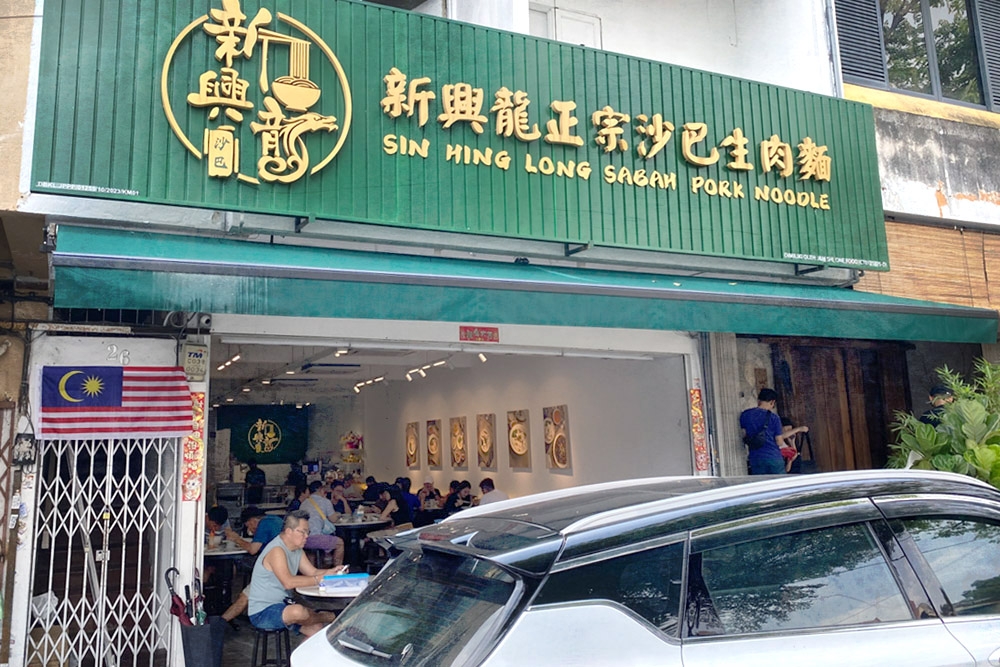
361,647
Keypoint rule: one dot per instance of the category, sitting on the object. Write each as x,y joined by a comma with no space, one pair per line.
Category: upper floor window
946,49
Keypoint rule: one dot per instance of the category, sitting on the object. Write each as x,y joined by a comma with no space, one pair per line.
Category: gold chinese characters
284,104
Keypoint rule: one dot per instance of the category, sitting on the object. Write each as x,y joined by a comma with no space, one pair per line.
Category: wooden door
846,392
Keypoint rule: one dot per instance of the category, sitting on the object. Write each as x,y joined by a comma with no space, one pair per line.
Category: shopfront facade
627,236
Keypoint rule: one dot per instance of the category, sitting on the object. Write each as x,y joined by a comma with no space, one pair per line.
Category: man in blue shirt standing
763,435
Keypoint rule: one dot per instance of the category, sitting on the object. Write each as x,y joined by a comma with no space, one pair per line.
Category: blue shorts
269,618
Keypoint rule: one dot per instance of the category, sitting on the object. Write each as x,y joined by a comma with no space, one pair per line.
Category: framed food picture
486,435
555,422
518,439
413,445
434,443
459,453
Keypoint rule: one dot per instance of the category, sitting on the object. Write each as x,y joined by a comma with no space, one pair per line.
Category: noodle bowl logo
264,436
285,117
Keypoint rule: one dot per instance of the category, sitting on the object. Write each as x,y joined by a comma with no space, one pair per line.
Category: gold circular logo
262,73
264,436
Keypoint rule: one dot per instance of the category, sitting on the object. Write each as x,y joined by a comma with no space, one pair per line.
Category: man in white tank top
281,567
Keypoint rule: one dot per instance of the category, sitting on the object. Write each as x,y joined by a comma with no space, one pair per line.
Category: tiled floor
239,644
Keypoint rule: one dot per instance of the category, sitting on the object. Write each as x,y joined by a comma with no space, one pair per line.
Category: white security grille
104,538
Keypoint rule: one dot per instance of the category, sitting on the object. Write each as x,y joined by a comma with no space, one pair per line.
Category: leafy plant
967,438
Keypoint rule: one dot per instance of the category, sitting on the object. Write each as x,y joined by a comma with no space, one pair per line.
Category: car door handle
994,658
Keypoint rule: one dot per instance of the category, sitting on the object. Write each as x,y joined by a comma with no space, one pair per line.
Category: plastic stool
279,660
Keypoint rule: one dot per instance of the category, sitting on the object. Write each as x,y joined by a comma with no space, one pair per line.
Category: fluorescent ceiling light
482,357
439,363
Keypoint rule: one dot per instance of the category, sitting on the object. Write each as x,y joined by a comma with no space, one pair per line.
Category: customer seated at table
321,513
282,567
352,488
411,499
429,497
296,502
394,507
371,490
338,499
459,500
452,490
216,524
262,529
490,492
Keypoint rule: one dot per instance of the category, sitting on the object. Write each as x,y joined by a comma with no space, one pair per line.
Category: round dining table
352,532
326,599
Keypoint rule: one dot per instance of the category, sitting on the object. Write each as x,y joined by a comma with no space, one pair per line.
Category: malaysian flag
88,402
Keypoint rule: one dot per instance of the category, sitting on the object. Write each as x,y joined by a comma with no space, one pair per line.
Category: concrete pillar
726,399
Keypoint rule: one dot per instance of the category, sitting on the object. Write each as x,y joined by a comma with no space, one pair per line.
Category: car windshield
426,608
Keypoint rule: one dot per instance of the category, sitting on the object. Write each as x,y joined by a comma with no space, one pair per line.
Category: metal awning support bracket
803,269
571,249
301,221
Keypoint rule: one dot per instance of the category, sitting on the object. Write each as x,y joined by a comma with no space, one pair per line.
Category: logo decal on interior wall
264,436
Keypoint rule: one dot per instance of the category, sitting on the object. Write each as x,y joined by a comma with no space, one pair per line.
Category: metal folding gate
105,535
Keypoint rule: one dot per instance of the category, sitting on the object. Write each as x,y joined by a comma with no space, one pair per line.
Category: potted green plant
966,439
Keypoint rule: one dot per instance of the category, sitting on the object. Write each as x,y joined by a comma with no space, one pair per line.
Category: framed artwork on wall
486,430
413,445
434,443
519,439
459,451
555,421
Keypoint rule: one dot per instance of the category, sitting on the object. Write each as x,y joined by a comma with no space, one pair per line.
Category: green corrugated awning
110,268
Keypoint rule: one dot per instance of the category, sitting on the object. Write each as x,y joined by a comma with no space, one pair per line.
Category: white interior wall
627,419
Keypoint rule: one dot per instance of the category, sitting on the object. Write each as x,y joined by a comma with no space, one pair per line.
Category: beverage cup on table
214,541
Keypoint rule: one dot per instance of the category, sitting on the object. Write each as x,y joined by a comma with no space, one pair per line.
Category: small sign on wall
195,361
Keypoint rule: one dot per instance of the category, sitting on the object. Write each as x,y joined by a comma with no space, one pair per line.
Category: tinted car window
965,557
647,582
819,578
427,607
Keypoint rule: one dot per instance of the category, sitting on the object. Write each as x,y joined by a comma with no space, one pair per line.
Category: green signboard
266,433
348,111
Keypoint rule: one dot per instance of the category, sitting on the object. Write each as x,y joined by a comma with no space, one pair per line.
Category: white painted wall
781,42
627,419
79,351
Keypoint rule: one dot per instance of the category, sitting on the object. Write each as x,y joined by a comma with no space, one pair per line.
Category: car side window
964,555
647,582
828,577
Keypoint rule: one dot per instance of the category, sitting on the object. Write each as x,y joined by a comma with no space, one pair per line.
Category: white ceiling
296,373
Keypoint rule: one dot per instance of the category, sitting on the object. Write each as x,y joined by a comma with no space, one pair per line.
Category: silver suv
860,568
